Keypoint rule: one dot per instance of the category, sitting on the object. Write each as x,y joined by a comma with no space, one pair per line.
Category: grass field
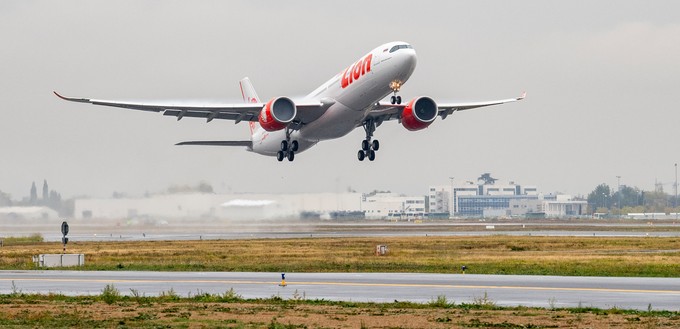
111,309
586,256
648,256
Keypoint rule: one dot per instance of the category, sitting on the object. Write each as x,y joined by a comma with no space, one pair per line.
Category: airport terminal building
500,201
466,200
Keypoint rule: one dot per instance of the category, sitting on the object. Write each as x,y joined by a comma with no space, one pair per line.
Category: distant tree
376,192
176,189
67,208
629,210
45,194
486,179
656,201
204,187
600,198
34,194
118,195
628,196
54,200
5,199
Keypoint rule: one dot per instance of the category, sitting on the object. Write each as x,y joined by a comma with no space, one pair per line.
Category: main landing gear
288,148
368,146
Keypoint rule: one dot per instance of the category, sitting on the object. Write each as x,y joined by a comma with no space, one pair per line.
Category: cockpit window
397,47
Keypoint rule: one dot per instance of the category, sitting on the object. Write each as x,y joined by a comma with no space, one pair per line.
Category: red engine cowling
419,113
277,113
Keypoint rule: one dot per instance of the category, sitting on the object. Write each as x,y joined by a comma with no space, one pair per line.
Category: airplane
282,127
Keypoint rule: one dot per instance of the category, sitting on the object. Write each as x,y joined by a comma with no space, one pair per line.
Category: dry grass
489,255
60,311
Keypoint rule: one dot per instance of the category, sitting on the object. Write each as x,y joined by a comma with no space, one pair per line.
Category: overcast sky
602,79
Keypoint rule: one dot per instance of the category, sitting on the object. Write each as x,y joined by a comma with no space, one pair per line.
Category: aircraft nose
411,59
408,59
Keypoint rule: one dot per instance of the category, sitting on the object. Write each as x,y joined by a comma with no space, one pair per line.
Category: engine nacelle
277,113
419,113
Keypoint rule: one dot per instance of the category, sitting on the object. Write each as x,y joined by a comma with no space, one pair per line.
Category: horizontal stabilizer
218,143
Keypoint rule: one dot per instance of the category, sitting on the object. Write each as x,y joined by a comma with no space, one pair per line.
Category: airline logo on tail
249,96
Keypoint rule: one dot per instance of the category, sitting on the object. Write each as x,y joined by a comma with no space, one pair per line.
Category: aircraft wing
384,111
237,112
448,108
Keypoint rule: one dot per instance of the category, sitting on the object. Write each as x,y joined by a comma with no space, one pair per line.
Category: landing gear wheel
284,145
371,155
365,145
279,155
376,145
398,99
291,156
294,146
368,145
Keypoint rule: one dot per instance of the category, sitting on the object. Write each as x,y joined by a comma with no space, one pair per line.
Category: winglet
60,96
80,100
524,95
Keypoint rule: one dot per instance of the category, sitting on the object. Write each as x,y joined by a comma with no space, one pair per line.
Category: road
504,290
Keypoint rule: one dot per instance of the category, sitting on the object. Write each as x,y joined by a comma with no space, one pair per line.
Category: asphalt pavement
504,290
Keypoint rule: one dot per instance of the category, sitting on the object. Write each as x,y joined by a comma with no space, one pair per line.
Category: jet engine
277,113
419,113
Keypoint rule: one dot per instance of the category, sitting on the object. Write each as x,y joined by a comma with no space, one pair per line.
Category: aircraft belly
338,121
269,143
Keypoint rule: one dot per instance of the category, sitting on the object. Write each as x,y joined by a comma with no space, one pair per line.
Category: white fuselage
352,93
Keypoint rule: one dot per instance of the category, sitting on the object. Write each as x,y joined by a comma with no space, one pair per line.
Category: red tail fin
249,96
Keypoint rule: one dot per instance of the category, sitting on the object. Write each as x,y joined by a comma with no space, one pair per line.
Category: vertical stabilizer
249,96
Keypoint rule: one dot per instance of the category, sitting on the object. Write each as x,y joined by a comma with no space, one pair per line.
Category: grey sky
602,80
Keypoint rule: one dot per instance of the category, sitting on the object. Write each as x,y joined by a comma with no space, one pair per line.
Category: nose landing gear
395,85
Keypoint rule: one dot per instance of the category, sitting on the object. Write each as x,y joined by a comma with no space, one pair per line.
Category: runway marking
358,284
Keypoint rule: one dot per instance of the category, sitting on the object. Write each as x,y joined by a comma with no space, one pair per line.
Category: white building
564,206
552,206
28,213
471,199
439,199
216,206
393,206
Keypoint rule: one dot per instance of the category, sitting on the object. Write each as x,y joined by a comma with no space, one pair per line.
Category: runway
504,290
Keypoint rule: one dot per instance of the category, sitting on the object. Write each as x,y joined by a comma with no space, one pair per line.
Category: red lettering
351,74
357,69
345,82
367,64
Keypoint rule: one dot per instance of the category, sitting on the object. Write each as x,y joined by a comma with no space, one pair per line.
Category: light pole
451,209
675,201
618,191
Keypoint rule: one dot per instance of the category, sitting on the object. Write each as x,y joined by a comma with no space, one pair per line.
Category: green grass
31,239
525,255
